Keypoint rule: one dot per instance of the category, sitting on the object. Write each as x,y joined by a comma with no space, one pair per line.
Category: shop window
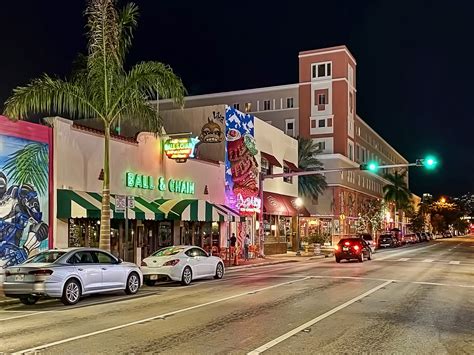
266,166
248,106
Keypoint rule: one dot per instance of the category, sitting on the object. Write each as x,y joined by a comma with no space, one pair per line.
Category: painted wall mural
241,179
24,202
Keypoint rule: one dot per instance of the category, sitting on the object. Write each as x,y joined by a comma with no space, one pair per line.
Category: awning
291,166
271,159
80,204
282,205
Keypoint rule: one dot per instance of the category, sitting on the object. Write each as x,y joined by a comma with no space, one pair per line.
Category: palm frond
29,165
128,21
397,190
49,94
310,185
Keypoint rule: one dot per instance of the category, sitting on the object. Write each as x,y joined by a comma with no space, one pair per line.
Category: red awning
291,166
271,159
281,205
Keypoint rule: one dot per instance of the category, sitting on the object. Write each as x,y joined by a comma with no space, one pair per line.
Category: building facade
322,106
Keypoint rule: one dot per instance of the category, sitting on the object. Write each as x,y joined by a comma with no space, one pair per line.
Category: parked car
409,238
69,274
448,234
352,248
425,236
369,240
181,263
387,241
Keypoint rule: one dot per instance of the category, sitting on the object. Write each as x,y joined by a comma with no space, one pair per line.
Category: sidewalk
274,259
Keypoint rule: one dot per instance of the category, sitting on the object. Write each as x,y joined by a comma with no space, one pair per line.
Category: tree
310,185
101,88
397,191
371,216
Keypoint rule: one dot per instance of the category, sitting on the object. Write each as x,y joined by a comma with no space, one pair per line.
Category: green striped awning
80,204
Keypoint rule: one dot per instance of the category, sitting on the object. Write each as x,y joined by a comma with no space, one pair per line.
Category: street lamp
298,203
442,200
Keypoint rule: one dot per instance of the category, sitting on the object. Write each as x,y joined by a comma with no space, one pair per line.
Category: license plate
153,277
20,277
345,248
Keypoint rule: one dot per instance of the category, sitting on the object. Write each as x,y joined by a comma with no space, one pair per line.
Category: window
322,100
321,70
248,106
290,127
83,257
321,123
350,102
266,167
105,258
237,106
357,155
313,123
329,122
288,179
196,252
289,102
351,153
266,105
358,131
321,145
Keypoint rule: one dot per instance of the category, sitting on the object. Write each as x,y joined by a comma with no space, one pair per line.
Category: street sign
120,203
131,202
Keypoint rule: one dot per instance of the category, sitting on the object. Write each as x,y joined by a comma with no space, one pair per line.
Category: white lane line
404,259
428,261
160,316
285,336
22,316
454,262
406,252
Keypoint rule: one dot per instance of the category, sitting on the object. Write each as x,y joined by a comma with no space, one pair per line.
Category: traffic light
429,162
372,166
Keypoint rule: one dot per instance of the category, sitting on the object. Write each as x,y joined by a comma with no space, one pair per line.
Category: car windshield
349,241
168,251
46,257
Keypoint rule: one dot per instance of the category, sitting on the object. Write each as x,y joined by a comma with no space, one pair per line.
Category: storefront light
274,227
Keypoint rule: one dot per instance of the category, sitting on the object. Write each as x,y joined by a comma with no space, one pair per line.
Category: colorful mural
241,179
24,203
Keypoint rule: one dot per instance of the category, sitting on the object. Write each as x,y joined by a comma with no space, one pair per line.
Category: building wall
79,159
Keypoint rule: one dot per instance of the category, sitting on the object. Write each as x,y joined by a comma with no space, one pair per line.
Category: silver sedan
69,274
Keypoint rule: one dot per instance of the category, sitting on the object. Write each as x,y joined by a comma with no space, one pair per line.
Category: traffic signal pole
262,177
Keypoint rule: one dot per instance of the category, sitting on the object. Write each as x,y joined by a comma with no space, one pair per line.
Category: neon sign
180,149
147,182
248,205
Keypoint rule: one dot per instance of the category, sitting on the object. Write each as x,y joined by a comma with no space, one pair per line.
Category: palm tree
397,190
102,88
310,185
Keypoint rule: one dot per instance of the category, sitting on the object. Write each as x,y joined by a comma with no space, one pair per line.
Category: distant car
387,241
369,240
425,236
69,274
181,263
448,234
409,238
352,248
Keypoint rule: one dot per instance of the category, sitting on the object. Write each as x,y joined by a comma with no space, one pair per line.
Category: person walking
246,247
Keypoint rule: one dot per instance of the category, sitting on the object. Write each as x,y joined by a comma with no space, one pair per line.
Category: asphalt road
411,300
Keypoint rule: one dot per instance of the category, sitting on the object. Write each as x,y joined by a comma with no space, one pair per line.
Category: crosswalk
419,260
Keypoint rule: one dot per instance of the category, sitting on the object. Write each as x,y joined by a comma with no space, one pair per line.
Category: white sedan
181,263
69,274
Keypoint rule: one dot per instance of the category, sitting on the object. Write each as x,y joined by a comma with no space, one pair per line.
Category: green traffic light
430,162
372,166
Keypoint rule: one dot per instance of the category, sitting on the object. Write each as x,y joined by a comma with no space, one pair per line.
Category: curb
239,267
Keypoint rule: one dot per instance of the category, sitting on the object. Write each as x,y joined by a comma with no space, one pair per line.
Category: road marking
454,262
407,251
161,316
22,316
428,261
285,336
404,259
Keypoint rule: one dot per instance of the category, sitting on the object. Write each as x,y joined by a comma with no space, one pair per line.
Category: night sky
414,74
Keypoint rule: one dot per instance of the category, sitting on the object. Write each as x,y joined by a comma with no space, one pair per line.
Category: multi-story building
322,106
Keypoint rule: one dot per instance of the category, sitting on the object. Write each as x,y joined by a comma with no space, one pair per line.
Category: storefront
171,200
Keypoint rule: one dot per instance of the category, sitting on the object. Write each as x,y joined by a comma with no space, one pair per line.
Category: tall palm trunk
104,241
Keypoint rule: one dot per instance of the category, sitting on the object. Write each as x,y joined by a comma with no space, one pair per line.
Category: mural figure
23,181
211,132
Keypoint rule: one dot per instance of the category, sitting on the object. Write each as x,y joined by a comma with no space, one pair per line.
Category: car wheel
219,271
150,282
133,284
29,300
361,258
71,292
187,276
338,260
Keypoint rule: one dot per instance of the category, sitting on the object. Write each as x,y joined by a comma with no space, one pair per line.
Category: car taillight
41,272
356,247
143,263
171,262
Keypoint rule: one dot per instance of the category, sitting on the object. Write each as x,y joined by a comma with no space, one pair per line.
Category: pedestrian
233,240
246,247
